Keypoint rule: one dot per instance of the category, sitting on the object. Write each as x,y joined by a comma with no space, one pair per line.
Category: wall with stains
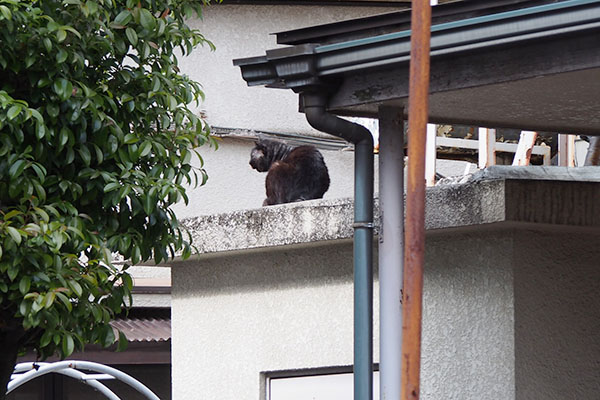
239,314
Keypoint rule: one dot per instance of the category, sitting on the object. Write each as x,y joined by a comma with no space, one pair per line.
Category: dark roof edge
466,35
399,20
345,3
295,66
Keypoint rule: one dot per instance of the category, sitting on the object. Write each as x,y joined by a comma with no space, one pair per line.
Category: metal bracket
368,225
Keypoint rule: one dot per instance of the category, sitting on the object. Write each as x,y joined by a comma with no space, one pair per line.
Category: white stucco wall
468,320
557,306
241,315
240,31
238,315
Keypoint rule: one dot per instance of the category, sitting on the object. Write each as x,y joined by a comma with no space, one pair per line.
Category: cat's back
305,155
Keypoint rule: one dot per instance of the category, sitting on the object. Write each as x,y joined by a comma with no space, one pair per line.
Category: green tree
96,142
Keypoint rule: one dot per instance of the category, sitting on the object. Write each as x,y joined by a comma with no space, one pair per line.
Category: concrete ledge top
538,195
549,173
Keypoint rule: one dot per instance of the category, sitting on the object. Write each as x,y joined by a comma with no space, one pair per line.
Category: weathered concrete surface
498,195
538,172
303,222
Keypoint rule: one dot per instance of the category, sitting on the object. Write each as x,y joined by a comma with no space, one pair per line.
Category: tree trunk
9,347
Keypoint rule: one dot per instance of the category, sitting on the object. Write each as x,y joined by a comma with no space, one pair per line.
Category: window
319,386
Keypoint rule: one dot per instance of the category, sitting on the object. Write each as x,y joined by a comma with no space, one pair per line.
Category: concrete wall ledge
529,195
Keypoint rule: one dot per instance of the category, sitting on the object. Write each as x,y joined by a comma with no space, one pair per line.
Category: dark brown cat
294,173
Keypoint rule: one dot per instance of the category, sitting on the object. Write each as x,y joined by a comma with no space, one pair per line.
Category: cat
294,173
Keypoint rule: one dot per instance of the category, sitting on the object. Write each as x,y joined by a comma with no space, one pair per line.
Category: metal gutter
257,71
338,3
460,36
321,63
398,21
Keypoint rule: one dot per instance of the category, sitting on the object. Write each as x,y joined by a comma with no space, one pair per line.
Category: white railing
24,372
487,146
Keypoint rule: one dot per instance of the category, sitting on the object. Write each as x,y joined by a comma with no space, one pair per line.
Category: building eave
550,49
399,20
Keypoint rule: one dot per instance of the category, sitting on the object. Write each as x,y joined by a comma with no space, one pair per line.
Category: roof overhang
535,67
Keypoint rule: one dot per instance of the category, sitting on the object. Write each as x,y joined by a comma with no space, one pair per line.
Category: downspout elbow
318,117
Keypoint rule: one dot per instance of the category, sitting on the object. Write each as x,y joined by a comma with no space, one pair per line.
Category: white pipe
430,155
72,373
391,249
86,365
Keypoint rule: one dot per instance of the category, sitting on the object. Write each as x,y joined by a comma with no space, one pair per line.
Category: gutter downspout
320,119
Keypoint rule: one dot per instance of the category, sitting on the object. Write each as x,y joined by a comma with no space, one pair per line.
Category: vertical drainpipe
318,118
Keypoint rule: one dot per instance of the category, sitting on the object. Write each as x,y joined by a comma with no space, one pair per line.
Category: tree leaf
24,284
127,281
14,111
122,343
148,203
49,299
67,345
111,186
155,84
147,19
14,234
76,287
11,214
61,35
47,44
52,110
13,271
40,130
65,300
17,169
60,87
63,137
123,18
145,148
131,36
46,338
130,138
85,154
6,13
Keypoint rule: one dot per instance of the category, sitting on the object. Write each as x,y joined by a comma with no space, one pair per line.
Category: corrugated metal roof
144,329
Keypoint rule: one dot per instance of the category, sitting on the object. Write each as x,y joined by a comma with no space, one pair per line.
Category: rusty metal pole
414,253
